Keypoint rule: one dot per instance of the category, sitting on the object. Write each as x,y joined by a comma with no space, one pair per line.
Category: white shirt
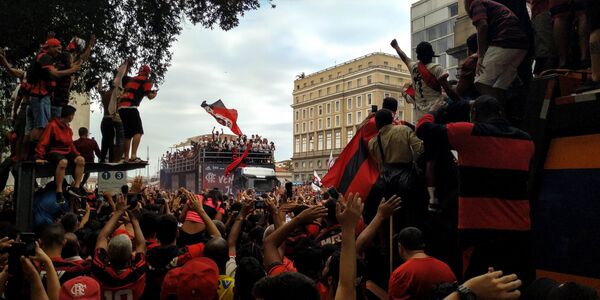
424,95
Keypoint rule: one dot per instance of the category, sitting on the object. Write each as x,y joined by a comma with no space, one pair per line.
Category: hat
52,43
80,288
426,50
195,280
144,69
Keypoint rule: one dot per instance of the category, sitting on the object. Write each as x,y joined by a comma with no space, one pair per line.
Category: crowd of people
448,218
219,146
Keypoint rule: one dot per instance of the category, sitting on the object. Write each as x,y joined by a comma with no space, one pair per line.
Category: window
303,146
303,167
386,95
349,84
337,121
320,124
310,96
312,82
303,127
349,70
337,88
330,76
303,114
328,108
296,164
358,117
386,78
349,104
453,9
358,101
349,134
337,106
319,93
338,139
358,82
311,112
360,67
369,99
320,142
297,147
349,119
311,126
339,74
328,141
297,128
305,84
311,143
320,110
297,99
328,90
328,122
321,79
385,63
297,115
369,80
370,63
303,98
310,164
319,163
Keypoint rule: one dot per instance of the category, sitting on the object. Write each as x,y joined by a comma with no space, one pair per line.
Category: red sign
213,176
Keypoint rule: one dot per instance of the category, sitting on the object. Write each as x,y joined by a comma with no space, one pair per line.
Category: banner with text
111,181
213,176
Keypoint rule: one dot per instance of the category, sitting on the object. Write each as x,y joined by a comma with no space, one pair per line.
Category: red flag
223,115
239,162
354,171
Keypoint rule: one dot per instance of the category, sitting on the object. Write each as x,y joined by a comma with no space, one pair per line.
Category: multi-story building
462,30
330,104
433,21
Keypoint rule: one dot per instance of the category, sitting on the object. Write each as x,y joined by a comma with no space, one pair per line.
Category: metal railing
186,164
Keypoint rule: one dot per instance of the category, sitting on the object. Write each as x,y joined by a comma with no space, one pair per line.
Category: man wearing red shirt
87,147
52,242
419,273
136,88
56,146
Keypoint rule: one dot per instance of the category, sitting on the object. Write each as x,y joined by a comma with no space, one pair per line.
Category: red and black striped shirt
493,160
504,27
38,75
136,88
128,283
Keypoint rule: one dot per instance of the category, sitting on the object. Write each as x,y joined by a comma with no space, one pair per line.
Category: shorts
500,66
566,8
132,123
55,111
38,113
54,158
544,37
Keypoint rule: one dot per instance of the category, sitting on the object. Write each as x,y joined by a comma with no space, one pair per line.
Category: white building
433,21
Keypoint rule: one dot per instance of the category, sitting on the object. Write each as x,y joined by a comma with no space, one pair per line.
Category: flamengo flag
316,183
330,162
223,115
238,162
355,171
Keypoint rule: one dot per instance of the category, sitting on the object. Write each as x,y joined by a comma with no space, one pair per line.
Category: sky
253,66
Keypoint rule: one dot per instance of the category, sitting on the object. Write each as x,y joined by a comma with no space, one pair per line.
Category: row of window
349,121
324,141
349,85
336,105
350,70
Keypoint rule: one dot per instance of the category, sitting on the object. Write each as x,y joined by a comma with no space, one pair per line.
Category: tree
142,29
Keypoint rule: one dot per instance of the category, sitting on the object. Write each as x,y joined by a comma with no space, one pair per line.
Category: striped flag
316,183
330,162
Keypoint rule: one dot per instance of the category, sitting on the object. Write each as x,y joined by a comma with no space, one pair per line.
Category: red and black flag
225,116
238,162
354,171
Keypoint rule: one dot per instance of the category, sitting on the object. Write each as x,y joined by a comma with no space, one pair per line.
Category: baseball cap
425,49
145,69
52,43
80,288
195,280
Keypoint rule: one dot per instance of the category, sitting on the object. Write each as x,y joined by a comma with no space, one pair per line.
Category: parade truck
206,170
565,178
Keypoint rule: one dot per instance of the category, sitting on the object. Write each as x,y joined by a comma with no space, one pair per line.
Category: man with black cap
136,89
493,206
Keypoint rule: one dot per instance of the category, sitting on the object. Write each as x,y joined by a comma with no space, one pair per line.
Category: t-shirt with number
126,284
425,96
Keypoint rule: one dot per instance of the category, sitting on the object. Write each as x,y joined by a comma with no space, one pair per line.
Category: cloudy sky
252,67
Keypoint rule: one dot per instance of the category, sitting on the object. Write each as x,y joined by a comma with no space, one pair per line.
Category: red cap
144,69
196,280
80,288
52,43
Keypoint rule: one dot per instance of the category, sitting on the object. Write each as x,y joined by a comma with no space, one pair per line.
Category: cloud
252,67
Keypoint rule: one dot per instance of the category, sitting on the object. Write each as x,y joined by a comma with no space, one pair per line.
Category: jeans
119,137
107,127
38,113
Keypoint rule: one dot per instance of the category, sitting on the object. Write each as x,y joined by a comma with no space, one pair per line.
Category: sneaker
60,199
75,192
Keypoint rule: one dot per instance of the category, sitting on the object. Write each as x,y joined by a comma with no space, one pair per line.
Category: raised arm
109,227
272,206
52,283
275,239
401,53
9,68
195,205
385,210
247,207
491,286
140,241
36,287
88,49
348,216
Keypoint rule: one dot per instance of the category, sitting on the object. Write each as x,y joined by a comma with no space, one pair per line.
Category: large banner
213,176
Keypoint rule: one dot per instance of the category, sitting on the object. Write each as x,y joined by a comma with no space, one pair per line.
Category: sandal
137,160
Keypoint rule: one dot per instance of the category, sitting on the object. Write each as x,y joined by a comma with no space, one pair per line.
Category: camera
24,247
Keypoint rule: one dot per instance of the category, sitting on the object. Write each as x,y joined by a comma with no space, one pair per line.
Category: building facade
433,21
329,105
462,30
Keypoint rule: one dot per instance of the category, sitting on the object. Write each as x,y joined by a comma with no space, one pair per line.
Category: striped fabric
504,27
